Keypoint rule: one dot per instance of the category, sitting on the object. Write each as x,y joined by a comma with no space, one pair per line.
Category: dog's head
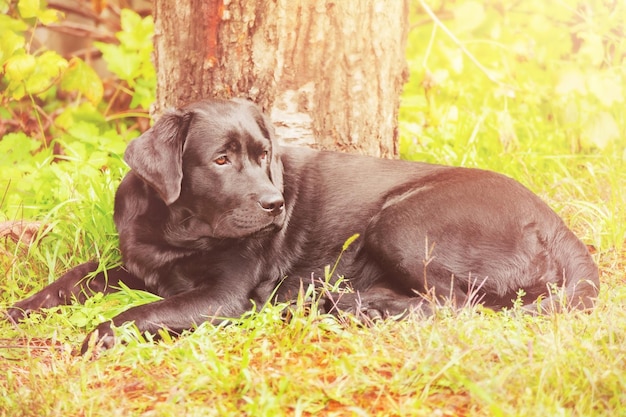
218,161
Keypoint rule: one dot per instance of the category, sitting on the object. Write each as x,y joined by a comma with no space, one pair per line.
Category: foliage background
530,88
536,92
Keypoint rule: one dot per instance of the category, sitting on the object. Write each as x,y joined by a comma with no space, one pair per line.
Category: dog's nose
273,204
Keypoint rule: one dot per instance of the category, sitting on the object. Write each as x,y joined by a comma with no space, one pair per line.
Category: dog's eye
222,160
264,155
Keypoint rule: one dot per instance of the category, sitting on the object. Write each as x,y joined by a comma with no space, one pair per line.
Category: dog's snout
274,204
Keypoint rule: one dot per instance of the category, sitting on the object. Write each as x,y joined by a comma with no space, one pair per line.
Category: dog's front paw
100,338
47,298
16,313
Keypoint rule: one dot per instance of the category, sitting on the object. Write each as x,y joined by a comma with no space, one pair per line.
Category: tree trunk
328,72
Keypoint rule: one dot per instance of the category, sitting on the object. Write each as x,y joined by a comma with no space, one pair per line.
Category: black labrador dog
216,218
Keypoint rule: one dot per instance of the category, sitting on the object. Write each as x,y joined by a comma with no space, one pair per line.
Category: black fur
215,218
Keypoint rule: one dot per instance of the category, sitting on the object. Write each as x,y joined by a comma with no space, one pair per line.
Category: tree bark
329,73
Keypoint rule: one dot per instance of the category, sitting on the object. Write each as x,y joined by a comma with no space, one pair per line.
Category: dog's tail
579,280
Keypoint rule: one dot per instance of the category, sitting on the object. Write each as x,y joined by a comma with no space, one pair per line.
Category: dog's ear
157,155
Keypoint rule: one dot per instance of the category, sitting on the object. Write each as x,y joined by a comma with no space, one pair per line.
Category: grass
476,363
471,363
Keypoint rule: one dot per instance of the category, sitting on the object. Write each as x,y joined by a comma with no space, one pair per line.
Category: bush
55,110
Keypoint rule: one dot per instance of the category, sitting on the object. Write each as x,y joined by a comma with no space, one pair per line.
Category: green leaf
29,8
86,112
17,148
19,67
136,32
84,132
82,78
113,142
144,94
48,16
10,44
9,24
49,66
129,20
124,64
36,8
4,5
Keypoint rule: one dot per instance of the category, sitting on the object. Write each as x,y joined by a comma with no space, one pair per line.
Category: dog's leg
376,303
578,275
579,295
74,284
174,314
484,245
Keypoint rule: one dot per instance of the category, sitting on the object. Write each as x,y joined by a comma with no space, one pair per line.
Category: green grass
472,363
476,363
